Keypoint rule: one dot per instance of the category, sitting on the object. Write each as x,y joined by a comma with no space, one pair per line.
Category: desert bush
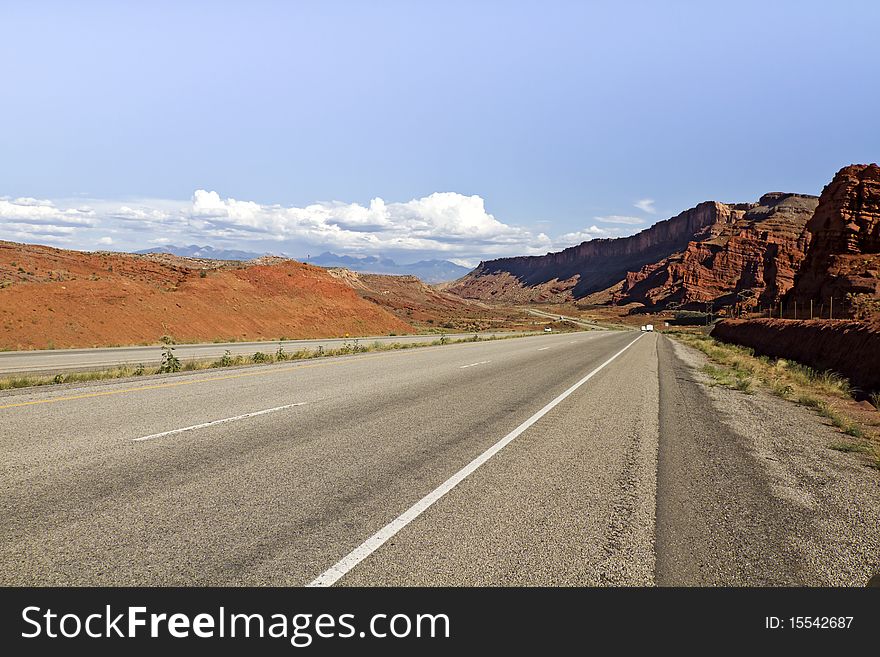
170,362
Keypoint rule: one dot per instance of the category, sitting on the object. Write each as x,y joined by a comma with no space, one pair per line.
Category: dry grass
826,393
227,360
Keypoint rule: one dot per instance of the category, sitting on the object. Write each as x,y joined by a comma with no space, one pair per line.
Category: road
575,320
594,458
62,360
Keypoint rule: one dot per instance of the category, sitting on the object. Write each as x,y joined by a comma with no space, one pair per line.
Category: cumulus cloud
105,240
443,222
645,205
30,219
618,219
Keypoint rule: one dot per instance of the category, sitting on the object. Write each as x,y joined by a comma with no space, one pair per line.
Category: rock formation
589,267
713,252
843,259
751,258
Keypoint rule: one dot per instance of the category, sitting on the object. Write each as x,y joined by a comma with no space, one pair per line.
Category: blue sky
490,128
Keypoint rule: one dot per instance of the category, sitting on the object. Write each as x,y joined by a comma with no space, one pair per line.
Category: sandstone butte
58,298
842,262
716,252
843,259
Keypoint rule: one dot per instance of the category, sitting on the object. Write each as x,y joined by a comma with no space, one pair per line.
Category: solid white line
213,422
482,362
374,542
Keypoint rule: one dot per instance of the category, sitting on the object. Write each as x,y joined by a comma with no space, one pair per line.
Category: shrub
225,360
170,362
260,357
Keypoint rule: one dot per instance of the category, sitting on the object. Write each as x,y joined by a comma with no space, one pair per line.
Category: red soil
58,298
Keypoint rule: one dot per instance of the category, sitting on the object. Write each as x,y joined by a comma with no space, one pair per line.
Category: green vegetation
170,362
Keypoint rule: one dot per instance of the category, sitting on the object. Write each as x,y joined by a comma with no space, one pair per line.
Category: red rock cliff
752,258
844,253
713,251
590,266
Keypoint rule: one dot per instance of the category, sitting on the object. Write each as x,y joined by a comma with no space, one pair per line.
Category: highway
50,361
587,324
564,459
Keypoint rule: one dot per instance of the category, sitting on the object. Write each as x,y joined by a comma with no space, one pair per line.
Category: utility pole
831,309
811,309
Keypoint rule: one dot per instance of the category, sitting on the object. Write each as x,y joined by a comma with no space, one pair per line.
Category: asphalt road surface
531,461
62,360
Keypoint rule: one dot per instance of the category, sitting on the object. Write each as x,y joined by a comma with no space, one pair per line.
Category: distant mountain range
430,271
209,252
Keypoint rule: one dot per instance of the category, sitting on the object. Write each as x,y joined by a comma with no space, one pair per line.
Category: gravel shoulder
749,492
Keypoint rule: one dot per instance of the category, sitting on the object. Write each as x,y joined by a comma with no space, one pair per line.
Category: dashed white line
482,362
543,348
213,422
374,542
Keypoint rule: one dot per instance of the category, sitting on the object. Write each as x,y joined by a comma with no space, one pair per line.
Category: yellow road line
173,384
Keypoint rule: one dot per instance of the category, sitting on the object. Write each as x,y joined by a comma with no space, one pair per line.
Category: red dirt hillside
426,306
59,298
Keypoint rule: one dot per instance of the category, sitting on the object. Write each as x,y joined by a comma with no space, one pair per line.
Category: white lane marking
482,362
543,348
374,542
213,422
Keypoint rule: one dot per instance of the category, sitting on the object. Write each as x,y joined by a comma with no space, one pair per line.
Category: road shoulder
749,492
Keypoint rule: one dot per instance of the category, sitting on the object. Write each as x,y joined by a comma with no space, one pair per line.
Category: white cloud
105,240
36,212
35,220
645,205
593,232
442,222
149,215
618,219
